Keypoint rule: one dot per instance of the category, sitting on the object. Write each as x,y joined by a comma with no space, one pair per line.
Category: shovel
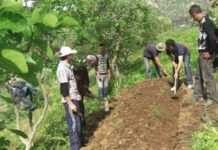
175,90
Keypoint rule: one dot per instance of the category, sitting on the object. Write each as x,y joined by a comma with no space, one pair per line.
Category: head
103,49
67,58
196,12
160,47
91,60
66,53
170,45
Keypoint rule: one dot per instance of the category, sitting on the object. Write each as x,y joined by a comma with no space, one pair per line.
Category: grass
207,139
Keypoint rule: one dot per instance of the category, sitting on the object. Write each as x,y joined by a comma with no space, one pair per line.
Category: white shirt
66,75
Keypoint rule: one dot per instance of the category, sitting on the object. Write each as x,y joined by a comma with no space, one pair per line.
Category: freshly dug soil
146,117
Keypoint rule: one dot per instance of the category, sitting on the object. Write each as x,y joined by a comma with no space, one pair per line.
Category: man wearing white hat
151,53
70,96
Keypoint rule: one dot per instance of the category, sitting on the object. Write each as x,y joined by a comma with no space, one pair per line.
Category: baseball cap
161,47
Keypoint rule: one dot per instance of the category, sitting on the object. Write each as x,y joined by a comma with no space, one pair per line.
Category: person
103,73
151,53
70,96
22,93
82,80
179,55
205,84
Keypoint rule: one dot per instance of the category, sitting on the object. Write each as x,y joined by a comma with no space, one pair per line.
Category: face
197,16
170,48
70,58
102,50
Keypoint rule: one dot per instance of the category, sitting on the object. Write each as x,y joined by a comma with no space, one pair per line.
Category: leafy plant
207,139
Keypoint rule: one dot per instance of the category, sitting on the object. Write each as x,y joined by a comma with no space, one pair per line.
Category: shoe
209,102
190,86
205,117
198,99
173,89
106,106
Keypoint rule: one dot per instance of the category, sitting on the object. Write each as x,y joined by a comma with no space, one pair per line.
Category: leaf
2,125
19,133
16,4
4,143
30,60
50,53
36,16
13,21
17,58
69,21
50,20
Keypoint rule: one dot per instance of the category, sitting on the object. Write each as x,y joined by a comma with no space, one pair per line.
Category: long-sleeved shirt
207,38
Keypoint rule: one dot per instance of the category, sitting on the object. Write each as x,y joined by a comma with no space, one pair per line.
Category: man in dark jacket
205,85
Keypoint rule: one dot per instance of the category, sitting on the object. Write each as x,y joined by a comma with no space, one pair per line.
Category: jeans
205,85
103,83
74,125
188,71
148,68
83,121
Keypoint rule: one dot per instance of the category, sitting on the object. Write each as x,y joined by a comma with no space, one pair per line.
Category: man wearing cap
179,55
151,53
70,96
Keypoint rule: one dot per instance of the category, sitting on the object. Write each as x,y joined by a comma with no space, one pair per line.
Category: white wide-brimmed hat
65,51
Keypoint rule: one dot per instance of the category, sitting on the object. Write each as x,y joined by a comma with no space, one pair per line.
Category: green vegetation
207,139
30,39
32,36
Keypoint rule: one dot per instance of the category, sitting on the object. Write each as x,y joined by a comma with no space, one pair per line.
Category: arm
64,88
109,69
159,65
178,67
210,30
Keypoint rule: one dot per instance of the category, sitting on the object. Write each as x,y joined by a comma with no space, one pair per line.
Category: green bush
206,139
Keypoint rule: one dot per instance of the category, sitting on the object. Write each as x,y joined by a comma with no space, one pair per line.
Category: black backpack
21,95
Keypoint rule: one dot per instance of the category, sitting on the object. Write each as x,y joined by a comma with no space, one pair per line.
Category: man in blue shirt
151,53
179,55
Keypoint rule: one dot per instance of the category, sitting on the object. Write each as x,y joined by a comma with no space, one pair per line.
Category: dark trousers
187,69
74,125
83,121
205,85
148,68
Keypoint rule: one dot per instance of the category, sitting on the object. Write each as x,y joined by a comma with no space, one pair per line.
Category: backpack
21,95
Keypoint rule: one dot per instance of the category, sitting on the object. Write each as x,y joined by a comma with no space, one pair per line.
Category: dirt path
146,117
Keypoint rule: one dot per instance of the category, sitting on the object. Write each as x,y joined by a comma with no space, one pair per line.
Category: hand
165,73
72,106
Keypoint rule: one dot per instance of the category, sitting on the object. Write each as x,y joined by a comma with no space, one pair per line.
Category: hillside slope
146,117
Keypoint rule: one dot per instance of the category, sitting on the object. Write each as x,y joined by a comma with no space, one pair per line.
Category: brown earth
146,117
